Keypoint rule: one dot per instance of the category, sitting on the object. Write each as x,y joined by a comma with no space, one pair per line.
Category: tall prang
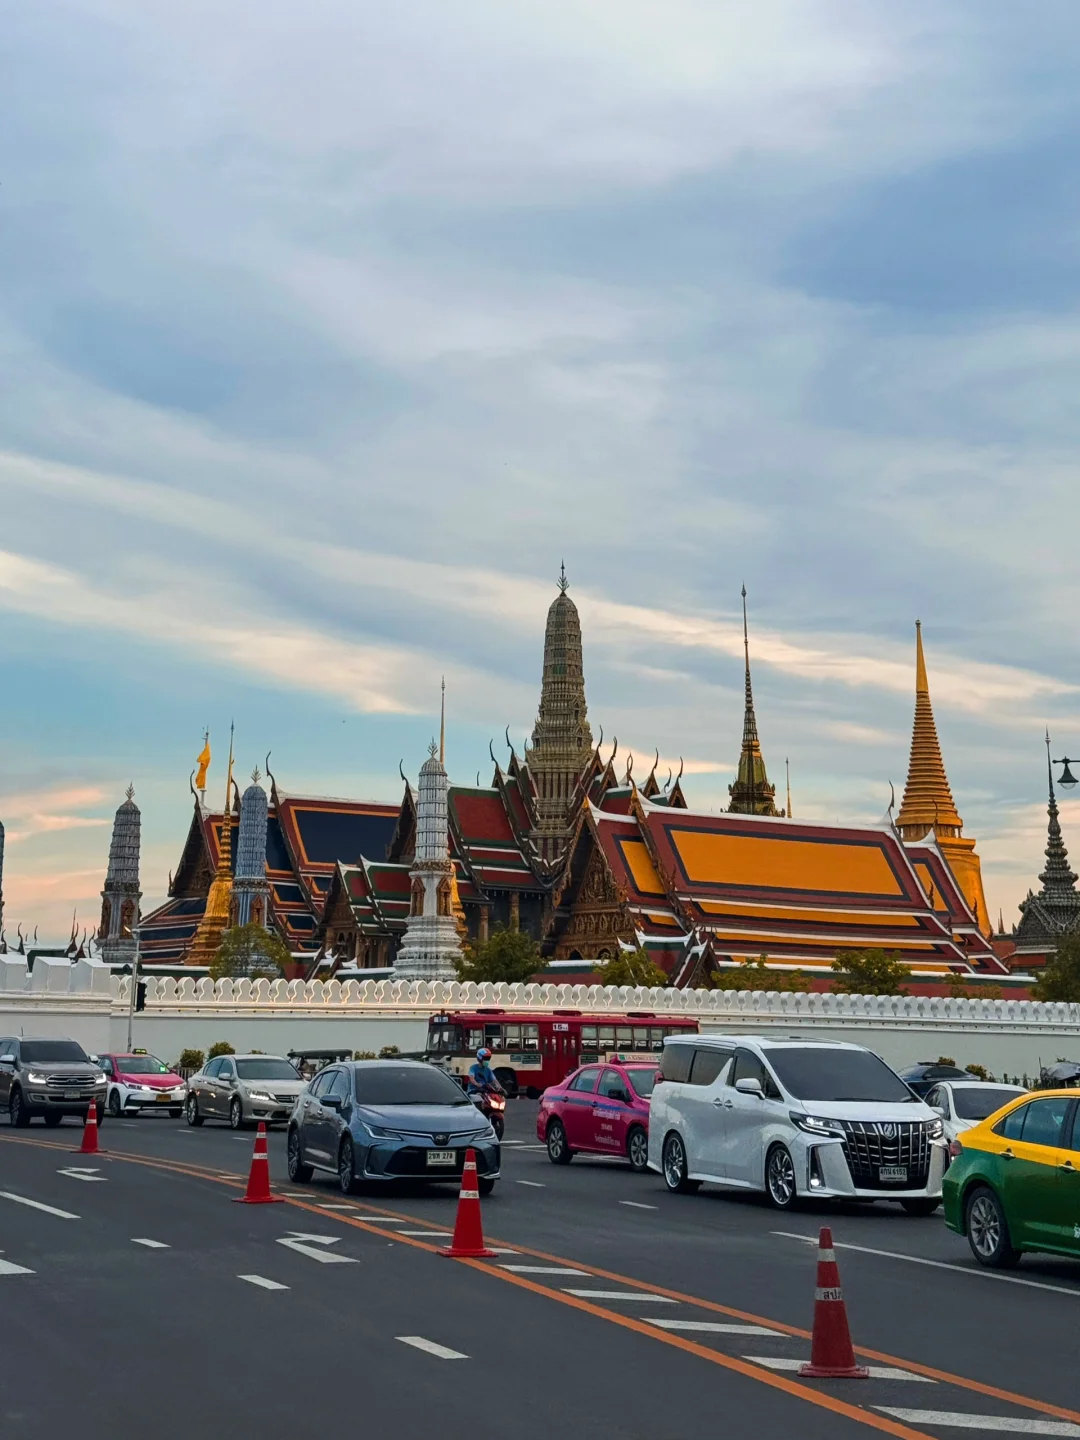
562,743
751,794
431,944
250,888
928,806
121,895
215,921
1055,911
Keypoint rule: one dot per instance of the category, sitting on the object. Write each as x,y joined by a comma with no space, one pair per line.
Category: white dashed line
877,1372
152,1244
1010,1424
262,1282
637,1205
936,1264
386,1220
8,1267
441,1352
620,1295
426,1235
712,1327
543,1270
532,1184
37,1205
333,1205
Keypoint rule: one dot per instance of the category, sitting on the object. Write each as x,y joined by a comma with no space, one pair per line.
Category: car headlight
377,1132
489,1134
260,1095
36,1079
99,1078
935,1129
817,1124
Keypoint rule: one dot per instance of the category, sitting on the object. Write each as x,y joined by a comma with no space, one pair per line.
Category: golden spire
928,803
215,920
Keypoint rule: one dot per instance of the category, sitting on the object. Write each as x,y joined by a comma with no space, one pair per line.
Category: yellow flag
203,763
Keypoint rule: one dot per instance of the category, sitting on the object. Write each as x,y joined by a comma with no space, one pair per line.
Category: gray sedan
243,1089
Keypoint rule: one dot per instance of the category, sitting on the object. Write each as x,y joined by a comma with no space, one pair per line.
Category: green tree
191,1060
220,1047
509,955
1060,980
869,972
633,967
249,951
758,975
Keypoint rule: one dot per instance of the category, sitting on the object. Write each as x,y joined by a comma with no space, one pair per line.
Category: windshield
141,1065
42,1051
643,1081
387,1084
814,1074
265,1070
978,1104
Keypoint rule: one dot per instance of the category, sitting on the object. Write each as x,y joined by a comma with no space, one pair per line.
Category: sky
328,332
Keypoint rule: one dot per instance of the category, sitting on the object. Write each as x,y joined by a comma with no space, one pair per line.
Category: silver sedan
243,1089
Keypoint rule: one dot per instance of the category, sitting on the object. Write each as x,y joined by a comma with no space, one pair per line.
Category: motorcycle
492,1105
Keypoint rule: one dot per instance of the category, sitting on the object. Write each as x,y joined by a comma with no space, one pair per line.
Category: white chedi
431,943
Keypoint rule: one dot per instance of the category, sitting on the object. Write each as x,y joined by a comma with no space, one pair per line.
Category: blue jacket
481,1076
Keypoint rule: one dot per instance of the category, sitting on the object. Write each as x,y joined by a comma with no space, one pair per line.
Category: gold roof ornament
751,794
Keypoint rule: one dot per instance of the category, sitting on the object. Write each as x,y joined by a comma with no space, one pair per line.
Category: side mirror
943,1111
749,1086
7,1059
332,1102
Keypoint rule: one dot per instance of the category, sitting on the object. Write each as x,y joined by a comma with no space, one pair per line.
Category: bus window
606,1037
641,1037
530,1037
445,1039
493,1035
511,1037
588,1037
475,1038
624,1036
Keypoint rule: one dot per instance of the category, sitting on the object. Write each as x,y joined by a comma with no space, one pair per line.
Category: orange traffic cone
831,1353
89,1144
468,1241
258,1186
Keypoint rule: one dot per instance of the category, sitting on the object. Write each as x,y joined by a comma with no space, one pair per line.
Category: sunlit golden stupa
928,805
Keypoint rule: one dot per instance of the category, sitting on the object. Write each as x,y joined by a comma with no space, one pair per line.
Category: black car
386,1120
923,1077
50,1078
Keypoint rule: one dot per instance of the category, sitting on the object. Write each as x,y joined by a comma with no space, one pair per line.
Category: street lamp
1067,779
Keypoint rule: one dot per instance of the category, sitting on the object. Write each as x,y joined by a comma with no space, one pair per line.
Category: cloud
45,812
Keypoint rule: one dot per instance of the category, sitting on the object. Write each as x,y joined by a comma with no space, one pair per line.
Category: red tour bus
532,1049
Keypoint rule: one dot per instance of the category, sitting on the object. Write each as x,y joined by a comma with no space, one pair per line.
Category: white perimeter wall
86,1002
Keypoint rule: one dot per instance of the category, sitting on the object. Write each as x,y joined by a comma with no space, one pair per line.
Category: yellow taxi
1014,1181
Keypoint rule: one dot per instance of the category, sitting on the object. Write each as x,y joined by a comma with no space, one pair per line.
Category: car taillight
955,1149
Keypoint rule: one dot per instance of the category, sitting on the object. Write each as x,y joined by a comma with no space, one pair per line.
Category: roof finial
433,749
1049,769
442,725
256,775
564,584
130,792
787,772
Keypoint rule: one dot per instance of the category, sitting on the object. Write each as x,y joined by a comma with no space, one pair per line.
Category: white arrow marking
301,1243
8,1267
77,1174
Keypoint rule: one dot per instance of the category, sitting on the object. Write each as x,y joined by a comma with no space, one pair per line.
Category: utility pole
134,987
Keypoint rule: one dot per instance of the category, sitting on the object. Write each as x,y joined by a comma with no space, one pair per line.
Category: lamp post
134,986
1066,779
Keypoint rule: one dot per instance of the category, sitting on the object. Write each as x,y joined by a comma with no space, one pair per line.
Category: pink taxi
599,1110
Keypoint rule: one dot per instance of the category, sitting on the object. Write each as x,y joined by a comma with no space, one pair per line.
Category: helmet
483,1053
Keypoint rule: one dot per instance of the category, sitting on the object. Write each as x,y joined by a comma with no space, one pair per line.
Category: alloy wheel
781,1178
345,1167
556,1141
638,1149
984,1227
674,1162
236,1115
114,1103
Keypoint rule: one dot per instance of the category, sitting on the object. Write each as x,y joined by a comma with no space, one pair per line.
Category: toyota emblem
441,1139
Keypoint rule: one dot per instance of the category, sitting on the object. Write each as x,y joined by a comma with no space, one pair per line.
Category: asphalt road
623,1311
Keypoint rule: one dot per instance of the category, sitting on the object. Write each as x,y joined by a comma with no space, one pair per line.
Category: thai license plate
892,1172
441,1157
72,1095
162,1099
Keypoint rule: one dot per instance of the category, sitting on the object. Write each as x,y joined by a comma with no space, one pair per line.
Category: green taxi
1014,1181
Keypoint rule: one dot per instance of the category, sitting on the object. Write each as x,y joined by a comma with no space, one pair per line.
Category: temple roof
928,802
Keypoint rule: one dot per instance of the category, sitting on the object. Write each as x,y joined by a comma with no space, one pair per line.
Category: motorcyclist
481,1076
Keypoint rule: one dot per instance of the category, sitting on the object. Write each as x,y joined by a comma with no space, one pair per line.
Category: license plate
892,1172
441,1157
72,1095
162,1099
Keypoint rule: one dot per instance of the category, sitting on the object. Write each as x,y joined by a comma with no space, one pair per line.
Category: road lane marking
441,1352
1012,1425
151,1244
37,1205
877,1372
262,1282
75,1173
427,1234
544,1270
637,1205
333,1205
302,1244
8,1267
620,1295
533,1184
935,1264
714,1327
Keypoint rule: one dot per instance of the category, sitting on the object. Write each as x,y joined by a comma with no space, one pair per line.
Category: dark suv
50,1078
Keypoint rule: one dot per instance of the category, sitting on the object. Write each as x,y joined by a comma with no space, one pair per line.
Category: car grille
867,1148
285,1099
83,1083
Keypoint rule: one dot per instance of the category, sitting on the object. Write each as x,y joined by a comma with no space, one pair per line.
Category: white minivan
792,1118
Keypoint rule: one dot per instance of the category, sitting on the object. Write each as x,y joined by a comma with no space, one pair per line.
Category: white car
963,1103
793,1118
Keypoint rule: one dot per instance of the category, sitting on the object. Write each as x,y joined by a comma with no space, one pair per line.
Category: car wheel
988,1231
637,1150
922,1206
20,1115
191,1111
236,1113
674,1167
345,1167
485,1184
52,1119
559,1152
299,1173
780,1185
114,1104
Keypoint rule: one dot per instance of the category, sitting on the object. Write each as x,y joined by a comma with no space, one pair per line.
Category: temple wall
85,1001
